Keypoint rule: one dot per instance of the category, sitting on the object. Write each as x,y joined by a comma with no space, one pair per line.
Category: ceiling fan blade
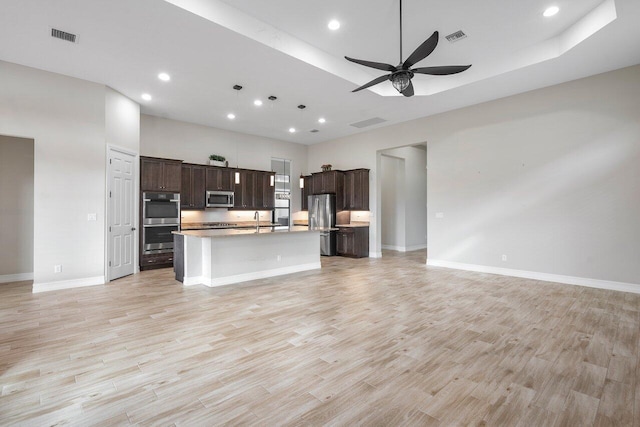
378,65
422,51
441,71
373,82
409,90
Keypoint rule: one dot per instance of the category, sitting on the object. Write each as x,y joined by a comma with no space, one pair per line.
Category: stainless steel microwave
220,199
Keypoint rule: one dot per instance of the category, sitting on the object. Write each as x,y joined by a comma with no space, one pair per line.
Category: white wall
193,143
16,209
549,177
65,117
394,201
122,121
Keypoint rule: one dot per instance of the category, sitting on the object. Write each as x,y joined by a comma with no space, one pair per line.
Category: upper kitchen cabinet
255,192
192,194
245,190
356,190
306,192
160,174
219,179
331,182
266,198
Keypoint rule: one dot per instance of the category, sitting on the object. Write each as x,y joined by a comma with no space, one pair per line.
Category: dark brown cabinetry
219,179
192,193
265,192
306,192
351,188
353,242
148,262
254,192
356,190
331,182
160,174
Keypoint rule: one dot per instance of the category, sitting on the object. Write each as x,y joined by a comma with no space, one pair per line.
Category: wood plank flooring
361,342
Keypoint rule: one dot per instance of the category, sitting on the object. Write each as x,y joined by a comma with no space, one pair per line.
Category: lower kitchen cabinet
353,242
149,262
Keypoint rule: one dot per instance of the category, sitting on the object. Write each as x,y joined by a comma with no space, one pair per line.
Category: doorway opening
402,184
16,208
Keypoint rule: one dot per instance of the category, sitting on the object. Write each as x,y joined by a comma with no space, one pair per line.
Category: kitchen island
224,256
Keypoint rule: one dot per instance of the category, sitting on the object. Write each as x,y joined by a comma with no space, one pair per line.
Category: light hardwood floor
362,342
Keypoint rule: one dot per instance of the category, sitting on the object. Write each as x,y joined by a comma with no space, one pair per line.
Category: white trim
375,254
404,248
68,284
544,277
228,280
19,277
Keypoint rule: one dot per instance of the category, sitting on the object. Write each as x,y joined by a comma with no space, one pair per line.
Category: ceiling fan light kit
402,74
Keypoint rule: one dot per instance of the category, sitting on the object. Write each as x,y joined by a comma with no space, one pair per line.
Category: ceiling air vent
454,37
63,35
368,122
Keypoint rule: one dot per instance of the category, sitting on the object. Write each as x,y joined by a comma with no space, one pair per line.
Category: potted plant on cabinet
215,160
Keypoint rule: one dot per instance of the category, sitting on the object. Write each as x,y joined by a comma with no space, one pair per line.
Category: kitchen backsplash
222,215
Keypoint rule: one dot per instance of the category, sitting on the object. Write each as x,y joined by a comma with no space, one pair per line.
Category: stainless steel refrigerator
322,216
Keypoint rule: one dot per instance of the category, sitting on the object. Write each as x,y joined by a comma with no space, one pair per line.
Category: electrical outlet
92,217
57,268
439,214
504,257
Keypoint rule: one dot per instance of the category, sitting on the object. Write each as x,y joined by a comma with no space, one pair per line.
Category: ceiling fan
402,73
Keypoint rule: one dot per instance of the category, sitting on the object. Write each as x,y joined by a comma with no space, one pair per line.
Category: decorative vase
217,163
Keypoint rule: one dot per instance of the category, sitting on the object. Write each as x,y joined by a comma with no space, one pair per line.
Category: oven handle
160,225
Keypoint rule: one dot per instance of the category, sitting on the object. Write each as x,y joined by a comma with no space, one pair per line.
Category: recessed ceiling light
164,77
551,11
334,24
257,103
231,116
292,130
146,97
321,120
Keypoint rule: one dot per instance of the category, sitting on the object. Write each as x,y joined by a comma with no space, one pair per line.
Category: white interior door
121,214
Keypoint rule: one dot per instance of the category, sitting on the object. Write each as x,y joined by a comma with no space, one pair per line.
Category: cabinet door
172,172
186,188
245,191
198,187
317,186
268,191
306,192
219,179
151,178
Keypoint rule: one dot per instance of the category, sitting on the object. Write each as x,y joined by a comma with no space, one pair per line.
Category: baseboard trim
375,254
404,248
68,284
19,277
544,277
238,278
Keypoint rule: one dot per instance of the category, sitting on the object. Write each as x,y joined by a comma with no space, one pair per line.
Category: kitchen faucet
256,216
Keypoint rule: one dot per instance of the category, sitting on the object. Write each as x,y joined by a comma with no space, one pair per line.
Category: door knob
133,229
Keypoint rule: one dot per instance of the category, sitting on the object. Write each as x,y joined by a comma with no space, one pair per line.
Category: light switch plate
439,214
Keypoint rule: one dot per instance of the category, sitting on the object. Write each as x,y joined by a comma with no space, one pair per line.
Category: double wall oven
160,216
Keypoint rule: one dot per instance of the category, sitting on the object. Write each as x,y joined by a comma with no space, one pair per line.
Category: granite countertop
228,232
354,224
225,226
